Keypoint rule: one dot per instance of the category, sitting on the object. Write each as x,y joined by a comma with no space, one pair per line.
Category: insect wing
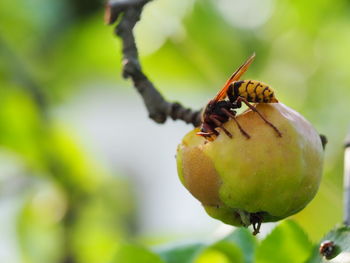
234,77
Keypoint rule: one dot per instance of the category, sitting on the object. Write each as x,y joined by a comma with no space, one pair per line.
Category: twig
19,73
324,141
158,108
347,181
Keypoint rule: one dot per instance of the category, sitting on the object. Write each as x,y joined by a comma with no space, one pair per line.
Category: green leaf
212,256
244,239
315,256
182,253
230,250
340,236
130,253
287,243
238,247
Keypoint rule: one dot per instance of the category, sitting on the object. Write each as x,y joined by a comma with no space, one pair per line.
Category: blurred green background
82,168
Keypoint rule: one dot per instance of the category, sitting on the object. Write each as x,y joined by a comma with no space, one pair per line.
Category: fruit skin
267,176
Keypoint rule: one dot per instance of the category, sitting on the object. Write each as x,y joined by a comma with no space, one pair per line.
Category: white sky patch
248,14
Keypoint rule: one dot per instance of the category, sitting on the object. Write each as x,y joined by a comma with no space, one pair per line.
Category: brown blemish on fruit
200,176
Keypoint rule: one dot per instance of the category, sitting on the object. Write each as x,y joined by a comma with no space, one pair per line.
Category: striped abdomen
252,90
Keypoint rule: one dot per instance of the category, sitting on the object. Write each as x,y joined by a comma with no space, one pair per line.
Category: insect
327,248
222,108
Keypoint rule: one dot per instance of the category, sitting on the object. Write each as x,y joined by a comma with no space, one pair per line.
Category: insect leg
233,117
208,132
219,124
261,116
256,221
256,228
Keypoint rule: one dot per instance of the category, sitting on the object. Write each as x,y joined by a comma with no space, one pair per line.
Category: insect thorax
252,90
215,108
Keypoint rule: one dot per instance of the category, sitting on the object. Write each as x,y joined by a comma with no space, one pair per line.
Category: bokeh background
82,168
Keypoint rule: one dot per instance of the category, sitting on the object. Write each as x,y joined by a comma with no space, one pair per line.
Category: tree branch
158,108
347,181
324,141
18,72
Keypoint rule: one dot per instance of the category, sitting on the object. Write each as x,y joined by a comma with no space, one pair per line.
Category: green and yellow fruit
265,178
